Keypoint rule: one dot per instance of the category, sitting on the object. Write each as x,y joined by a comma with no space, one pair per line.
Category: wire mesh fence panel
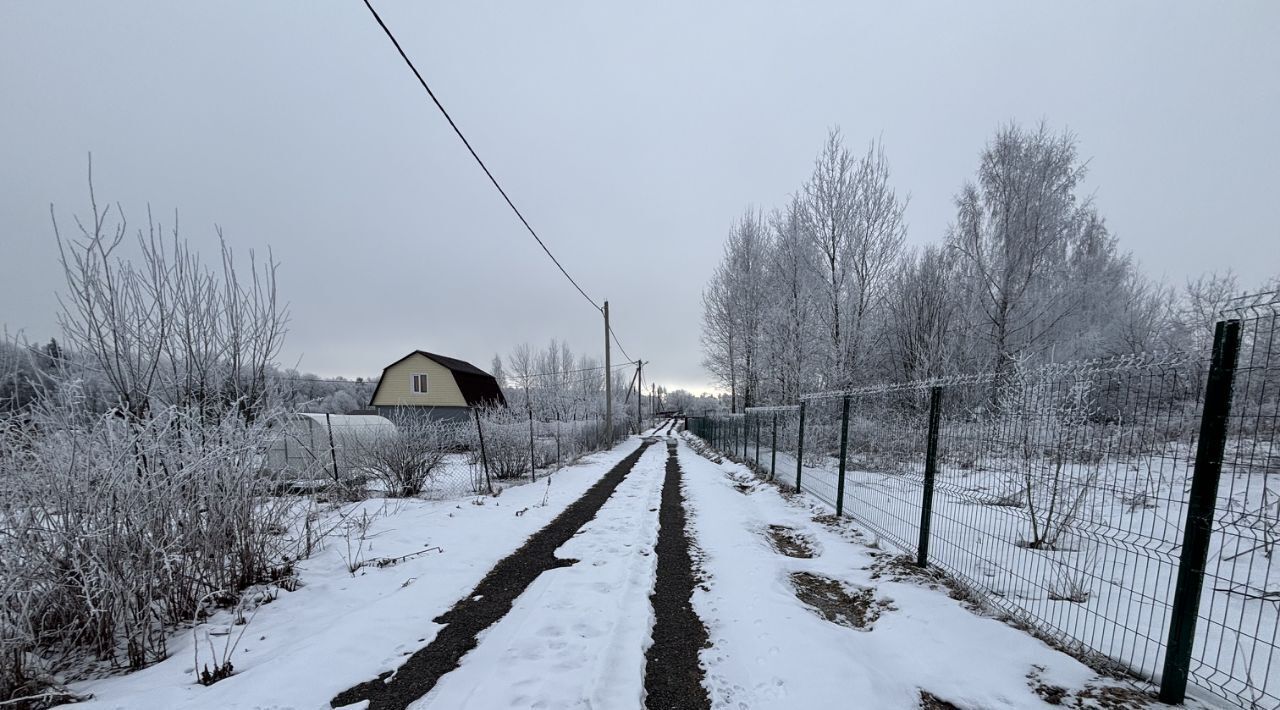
883,439
1060,497
1235,651
774,443
416,455
1065,496
821,455
458,475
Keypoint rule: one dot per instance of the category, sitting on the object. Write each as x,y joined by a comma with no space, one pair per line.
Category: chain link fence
431,459
1128,509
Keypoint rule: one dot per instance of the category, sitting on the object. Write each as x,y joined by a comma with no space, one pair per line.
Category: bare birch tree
923,310
855,220
1013,229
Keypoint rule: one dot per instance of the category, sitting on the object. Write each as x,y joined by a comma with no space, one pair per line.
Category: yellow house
441,387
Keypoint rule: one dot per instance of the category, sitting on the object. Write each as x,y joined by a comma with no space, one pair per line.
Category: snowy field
770,651
1110,588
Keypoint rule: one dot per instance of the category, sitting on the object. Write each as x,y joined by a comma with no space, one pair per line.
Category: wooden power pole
639,395
608,380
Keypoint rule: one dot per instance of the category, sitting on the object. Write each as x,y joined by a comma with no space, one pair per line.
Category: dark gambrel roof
478,387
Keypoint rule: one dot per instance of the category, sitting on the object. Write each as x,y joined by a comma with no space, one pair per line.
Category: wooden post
533,463
639,395
333,451
484,460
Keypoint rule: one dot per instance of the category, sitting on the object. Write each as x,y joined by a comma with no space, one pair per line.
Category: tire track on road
673,676
491,599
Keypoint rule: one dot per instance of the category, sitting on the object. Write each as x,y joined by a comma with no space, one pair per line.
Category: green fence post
800,447
844,447
773,449
1200,507
930,469
757,440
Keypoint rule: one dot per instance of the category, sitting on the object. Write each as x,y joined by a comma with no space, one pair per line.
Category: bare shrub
405,461
134,495
506,442
165,329
1046,423
115,530
1073,577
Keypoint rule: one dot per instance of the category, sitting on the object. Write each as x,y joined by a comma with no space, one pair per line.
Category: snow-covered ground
771,651
1124,562
576,638
338,629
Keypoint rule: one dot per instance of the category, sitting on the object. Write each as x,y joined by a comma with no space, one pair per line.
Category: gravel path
673,677
488,602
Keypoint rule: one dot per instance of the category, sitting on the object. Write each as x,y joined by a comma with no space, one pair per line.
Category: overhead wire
485,168
453,124
619,344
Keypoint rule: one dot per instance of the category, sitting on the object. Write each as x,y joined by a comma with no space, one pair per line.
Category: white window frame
413,383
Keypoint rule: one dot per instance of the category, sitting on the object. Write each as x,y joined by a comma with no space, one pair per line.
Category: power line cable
568,372
619,344
467,143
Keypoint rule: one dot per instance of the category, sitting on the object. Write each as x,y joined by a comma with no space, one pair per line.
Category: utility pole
639,394
608,381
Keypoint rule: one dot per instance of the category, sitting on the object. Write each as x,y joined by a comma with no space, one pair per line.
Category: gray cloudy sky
630,135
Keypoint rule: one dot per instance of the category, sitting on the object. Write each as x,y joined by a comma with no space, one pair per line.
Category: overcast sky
631,136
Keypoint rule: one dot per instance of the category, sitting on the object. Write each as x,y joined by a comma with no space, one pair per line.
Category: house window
419,384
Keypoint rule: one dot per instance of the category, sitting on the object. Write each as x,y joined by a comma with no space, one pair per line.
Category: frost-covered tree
734,306
1037,258
720,334
1202,300
1028,271
166,328
854,218
552,383
922,314
790,327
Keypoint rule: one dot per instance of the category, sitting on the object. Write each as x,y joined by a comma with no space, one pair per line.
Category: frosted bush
115,529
